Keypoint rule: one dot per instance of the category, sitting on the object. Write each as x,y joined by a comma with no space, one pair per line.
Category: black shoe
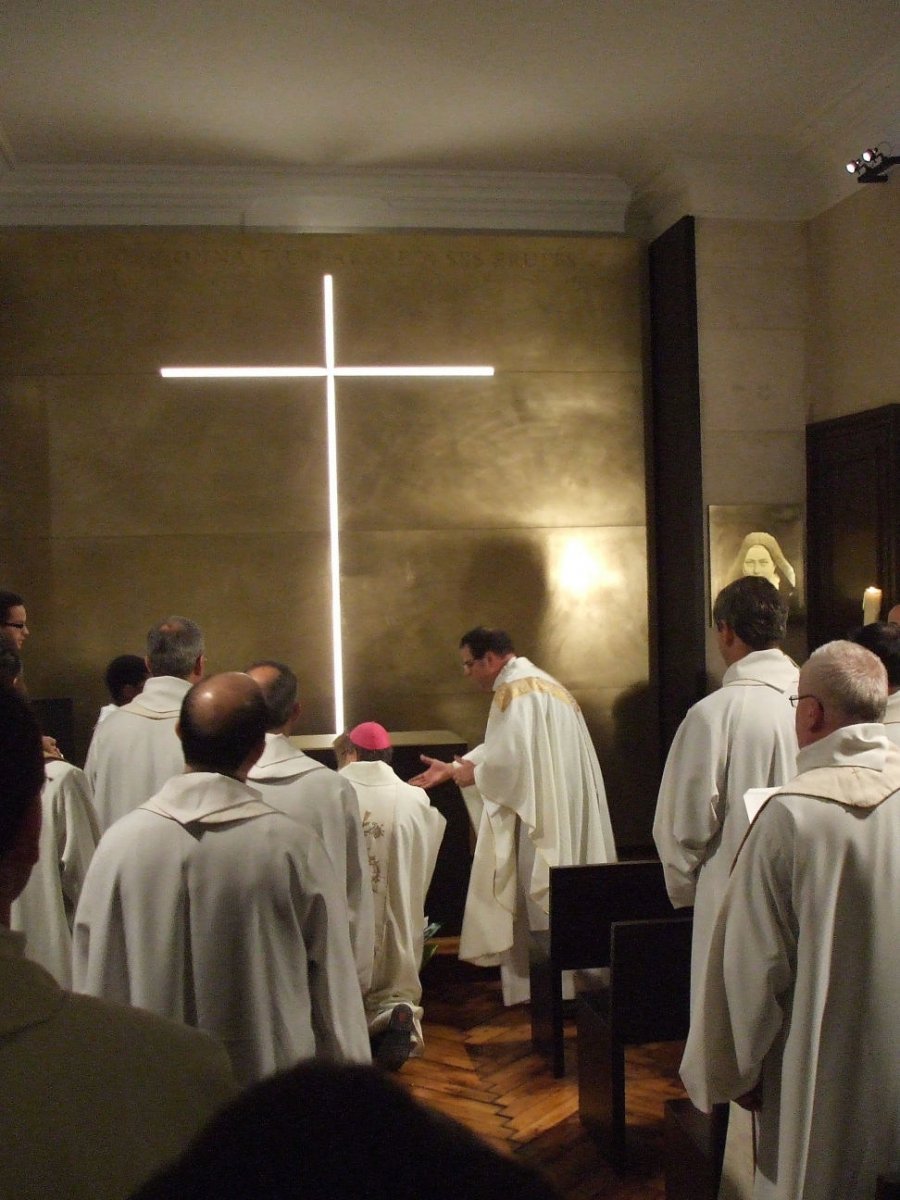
391,1049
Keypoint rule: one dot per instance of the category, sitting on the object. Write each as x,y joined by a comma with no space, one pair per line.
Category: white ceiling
738,107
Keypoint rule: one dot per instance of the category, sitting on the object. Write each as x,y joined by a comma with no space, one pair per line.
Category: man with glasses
800,1002
536,798
13,620
13,632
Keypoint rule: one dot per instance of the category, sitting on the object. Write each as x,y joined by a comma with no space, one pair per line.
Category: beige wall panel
575,601
758,468
24,460
134,300
186,457
259,596
855,308
527,450
527,304
751,274
752,379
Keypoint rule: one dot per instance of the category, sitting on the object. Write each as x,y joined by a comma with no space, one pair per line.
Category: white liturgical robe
208,906
802,986
403,835
740,737
891,719
136,749
540,803
95,1097
319,799
45,910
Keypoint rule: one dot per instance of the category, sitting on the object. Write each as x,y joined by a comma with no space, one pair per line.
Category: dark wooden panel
853,518
676,524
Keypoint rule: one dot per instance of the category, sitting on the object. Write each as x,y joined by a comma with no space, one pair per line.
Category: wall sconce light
873,165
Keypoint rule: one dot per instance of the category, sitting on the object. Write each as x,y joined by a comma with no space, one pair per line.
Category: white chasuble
801,992
45,910
403,834
136,749
208,906
321,800
542,804
737,738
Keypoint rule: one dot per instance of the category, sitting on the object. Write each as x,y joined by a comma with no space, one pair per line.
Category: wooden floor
479,1067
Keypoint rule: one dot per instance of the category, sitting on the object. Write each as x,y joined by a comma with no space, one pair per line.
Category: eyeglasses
14,624
795,700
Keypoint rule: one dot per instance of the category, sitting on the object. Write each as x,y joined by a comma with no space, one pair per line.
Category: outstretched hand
461,771
437,772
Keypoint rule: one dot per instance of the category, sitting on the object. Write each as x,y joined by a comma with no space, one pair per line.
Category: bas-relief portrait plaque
758,539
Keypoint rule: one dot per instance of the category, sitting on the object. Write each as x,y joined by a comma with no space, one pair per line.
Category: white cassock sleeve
749,972
46,908
688,810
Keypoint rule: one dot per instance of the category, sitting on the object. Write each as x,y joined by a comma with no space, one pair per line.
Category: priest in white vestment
883,639
135,750
209,906
739,737
125,677
403,834
319,799
536,798
800,1000
45,909
95,1097
735,739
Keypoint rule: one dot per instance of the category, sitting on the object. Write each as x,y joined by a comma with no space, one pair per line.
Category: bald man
800,1004
894,615
208,906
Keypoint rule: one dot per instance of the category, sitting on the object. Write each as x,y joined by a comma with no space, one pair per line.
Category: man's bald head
841,684
223,724
894,615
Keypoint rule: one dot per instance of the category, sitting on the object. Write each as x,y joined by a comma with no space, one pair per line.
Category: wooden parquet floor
479,1067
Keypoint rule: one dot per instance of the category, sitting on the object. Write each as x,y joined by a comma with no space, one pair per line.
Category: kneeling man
403,834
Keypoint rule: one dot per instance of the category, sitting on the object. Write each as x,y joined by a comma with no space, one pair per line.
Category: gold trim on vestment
507,692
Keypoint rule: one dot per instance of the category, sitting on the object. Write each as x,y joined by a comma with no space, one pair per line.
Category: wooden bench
694,1150
584,903
648,1000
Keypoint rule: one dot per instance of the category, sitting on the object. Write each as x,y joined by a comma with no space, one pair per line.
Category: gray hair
849,681
173,647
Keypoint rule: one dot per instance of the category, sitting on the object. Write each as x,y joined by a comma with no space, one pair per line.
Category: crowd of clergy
204,907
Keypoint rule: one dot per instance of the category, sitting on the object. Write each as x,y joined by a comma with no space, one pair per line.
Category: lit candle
871,605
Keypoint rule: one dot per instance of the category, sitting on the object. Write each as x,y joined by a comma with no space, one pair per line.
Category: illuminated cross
329,373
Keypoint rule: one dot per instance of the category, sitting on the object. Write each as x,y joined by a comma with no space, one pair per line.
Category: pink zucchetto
370,736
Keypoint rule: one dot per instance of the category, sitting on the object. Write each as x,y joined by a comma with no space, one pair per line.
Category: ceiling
735,106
